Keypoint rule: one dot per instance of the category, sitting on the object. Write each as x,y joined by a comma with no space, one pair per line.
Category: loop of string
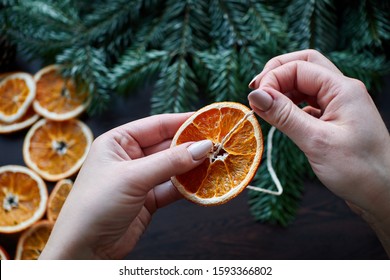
271,170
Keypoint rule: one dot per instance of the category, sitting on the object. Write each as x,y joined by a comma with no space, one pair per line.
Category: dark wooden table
324,228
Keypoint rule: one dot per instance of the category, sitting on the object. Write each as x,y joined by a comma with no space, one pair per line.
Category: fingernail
260,99
200,149
252,83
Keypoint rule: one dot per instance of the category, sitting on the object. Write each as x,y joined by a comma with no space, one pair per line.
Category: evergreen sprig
291,167
84,65
197,52
313,24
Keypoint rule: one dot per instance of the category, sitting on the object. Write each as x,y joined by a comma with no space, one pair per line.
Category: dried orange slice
57,198
6,74
17,92
56,150
23,198
236,155
25,121
3,254
57,98
32,241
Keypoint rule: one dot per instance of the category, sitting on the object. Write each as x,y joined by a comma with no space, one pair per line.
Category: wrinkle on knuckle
359,85
313,55
284,115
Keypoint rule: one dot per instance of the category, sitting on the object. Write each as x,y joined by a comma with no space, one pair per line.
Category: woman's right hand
340,131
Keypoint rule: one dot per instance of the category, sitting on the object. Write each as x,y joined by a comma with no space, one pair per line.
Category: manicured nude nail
260,99
200,149
253,82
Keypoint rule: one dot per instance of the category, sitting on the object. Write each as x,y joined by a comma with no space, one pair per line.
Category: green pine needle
175,89
291,167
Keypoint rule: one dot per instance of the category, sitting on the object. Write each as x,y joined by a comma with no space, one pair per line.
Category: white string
270,168
227,136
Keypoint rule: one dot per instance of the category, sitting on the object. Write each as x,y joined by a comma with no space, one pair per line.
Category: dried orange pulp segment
57,98
17,92
57,198
3,254
56,150
28,119
32,241
229,168
23,198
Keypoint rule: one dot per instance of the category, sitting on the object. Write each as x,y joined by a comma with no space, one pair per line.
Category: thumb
278,110
160,167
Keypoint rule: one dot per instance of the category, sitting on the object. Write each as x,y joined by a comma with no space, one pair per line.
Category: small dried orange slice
57,198
56,150
57,98
229,168
17,92
32,241
3,254
27,120
23,198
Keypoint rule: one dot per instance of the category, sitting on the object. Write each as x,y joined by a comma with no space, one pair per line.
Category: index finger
309,82
312,56
151,130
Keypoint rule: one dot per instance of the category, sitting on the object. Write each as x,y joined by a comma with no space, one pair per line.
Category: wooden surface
324,228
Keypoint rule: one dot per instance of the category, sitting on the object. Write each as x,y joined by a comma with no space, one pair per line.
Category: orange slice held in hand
57,98
56,150
57,198
31,242
17,92
229,168
23,198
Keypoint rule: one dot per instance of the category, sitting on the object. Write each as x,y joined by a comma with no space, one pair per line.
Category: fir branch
251,60
266,26
136,67
363,66
291,166
313,24
150,4
150,35
86,66
368,24
178,34
175,90
41,29
200,25
222,75
226,22
106,20
8,3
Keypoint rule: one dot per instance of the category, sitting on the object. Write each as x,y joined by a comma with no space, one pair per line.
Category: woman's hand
340,130
123,181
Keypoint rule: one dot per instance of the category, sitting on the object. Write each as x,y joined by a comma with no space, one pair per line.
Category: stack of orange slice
31,242
17,92
57,98
23,195
54,149
57,198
